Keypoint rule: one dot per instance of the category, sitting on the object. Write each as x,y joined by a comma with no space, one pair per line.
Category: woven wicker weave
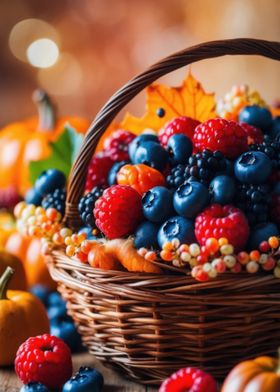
149,325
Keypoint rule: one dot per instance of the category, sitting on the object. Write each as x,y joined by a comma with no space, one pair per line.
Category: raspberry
86,206
98,170
118,211
140,177
185,125
56,200
9,197
45,359
219,221
275,209
225,136
189,379
117,144
254,135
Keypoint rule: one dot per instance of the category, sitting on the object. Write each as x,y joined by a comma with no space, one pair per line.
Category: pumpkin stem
4,280
46,110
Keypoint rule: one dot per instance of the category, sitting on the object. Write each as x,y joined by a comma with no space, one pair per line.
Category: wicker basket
148,325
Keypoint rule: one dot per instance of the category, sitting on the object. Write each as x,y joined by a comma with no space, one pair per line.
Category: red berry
45,359
185,125
264,246
117,144
98,170
254,135
222,221
219,134
118,211
9,197
189,379
275,209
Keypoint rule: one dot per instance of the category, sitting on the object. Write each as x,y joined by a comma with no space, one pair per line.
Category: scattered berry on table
67,331
183,125
86,205
152,154
190,199
50,180
222,221
55,199
86,379
176,227
117,144
133,146
145,235
257,116
98,170
254,135
34,387
45,359
179,148
140,177
222,189
218,134
113,173
260,233
189,379
157,204
253,167
118,211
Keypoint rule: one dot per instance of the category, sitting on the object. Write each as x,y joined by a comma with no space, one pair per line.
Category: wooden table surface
113,381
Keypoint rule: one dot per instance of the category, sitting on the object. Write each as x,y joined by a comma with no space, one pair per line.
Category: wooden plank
113,381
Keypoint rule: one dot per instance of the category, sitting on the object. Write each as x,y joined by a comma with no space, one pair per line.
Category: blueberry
86,380
137,141
158,204
57,312
257,116
33,197
190,198
50,180
222,189
88,232
55,299
275,129
67,331
112,176
152,154
146,235
42,292
252,167
260,233
176,227
34,387
179,148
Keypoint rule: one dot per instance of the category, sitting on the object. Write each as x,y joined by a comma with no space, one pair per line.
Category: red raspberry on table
254,135
191,380
219,134
45,359
219,221
185,125
275,209
98,170
117,144
118,211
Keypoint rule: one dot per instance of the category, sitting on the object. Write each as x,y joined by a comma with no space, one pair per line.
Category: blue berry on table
158,204
55,199
112,176
146,235
253,167
42,292
67,331
133,146
257,116
34,387
152,154
50,180
177,227
86,380
222,189
190,199
86,205
179,148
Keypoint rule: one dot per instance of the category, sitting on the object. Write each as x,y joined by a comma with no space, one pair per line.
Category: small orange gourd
25,141
22,315
18,280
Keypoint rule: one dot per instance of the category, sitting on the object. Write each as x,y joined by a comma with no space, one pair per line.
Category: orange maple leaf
190,100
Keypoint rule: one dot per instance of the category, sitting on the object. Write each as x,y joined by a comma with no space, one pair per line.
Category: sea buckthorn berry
151,256
219,265
51,213
177,263
254,255
33,231
167,246
264,246
207,267
166,255
230,261
273,242
175,243
19,208
46,248
202,276
75,239
212,245
243,258
57,239
236,268
42,219
82,237
223,241
68,240
194,249
252,267
40,211
81,256
65,232
212,273
185,256
227,249
142,251
184,248
277,272
269,264
193,262
263,258
202,258
70,250
85,247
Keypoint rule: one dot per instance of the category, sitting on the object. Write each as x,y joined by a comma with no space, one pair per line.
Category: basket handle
239,46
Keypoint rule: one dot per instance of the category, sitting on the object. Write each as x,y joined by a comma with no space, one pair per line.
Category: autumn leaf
190,100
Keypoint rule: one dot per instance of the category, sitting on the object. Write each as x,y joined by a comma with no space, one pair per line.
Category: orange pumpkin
28,251
25,141
258,375
18,280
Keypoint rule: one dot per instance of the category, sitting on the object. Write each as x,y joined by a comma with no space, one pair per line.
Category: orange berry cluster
77,246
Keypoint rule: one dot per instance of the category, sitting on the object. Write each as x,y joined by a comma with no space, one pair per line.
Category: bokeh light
43,53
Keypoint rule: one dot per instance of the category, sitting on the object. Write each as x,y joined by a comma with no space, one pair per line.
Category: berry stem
4,280
46,111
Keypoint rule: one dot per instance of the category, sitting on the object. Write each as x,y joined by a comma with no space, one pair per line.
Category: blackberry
56,200
86,206
254,201
202,167
271,148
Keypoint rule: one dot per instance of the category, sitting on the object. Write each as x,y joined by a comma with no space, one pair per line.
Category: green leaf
63,153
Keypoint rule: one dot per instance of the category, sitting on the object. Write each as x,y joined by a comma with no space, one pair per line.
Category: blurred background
81,51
